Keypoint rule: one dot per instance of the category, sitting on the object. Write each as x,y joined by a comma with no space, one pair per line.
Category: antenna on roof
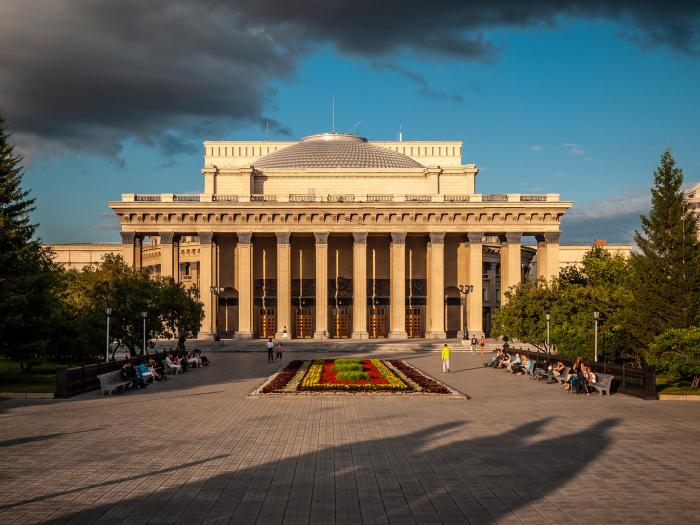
400,135
356,127
333,113
267,128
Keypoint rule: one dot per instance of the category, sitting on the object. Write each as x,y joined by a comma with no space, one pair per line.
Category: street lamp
464,290
144,314
596,315
108,311
216,290
548,318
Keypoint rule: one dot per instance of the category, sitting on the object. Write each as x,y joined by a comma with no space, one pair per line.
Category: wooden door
266,322
377,322
414,322
340,319
303,323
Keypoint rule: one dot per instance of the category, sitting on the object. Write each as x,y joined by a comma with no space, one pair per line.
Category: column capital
128,237
282,237
552,237
512,237
205,237
168,237
437,237
244,237
321,237
398,237
475,237
359,237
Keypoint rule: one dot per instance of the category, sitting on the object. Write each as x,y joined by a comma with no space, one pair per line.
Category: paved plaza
195,450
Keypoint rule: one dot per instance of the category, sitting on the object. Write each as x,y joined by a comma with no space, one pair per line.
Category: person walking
482,344
445,359
472,344
270,348
278,350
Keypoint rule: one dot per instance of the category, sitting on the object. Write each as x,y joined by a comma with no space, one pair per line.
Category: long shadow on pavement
403,479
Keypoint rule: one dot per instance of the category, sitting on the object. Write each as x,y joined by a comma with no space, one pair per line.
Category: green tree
171,308
597,284
665,276
28,277
677,351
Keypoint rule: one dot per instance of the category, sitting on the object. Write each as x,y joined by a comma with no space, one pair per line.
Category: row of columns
547,266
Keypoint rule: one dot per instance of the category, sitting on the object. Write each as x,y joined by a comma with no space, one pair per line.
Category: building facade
334,236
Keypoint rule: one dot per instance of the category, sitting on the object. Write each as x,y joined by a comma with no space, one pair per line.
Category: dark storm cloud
89,74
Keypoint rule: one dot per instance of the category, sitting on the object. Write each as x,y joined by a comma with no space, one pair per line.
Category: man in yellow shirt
445,358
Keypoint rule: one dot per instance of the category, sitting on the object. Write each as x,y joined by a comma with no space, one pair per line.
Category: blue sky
577,109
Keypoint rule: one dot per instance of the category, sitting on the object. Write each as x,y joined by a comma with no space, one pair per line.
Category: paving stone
196,450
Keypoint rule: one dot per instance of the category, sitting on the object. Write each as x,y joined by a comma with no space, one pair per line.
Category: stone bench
111,382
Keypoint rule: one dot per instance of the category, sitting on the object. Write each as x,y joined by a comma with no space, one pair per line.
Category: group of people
274,350
515,363
473,342
155,367
577,379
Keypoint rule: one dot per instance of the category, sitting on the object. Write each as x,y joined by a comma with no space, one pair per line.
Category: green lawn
41,379
667,384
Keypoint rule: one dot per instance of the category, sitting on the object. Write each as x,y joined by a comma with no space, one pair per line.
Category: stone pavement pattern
195,450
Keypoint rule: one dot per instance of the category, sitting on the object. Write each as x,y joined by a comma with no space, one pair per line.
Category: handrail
144,197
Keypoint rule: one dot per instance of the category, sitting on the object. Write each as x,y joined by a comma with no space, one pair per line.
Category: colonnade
469,271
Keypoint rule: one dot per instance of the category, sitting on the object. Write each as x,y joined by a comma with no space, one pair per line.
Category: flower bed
353,376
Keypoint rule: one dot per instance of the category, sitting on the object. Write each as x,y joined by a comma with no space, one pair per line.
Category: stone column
510,263
321,331
206,259
128,248
245,292
462,278
169,255
475,299
398,286
552,240
284,284
436,277
359,286
138,252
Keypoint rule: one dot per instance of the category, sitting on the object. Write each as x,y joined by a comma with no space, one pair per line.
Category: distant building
694,200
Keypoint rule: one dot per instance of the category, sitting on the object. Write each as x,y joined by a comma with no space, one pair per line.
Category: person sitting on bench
558,369
505,361
129,373
496,359
202,358
514,364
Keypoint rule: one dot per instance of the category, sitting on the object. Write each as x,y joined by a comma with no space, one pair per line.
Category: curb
27,395
678,397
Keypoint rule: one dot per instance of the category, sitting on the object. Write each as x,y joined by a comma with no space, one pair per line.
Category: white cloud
574,149
537,148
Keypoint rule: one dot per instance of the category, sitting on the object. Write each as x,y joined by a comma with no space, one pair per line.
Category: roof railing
494,197
224,198
418,198
259,197
302,197
147,197
533,198
380,198
186,198
340,198
456,198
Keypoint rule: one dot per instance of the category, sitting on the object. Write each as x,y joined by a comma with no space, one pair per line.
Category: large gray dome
335,150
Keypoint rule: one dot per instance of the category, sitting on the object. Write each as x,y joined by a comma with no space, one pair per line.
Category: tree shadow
421,477
43,437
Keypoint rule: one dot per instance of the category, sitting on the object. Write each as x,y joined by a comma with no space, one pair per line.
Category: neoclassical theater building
337,237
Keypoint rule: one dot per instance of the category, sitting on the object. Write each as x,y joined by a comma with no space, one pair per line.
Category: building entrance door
377,322
302,322
341,322
266,322
414,322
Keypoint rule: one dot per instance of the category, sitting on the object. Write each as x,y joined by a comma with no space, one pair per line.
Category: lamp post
464,290
548,318
216,290
596,315
144,314
108,311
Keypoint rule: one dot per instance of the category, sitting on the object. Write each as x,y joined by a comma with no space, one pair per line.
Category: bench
603,384
562,378
111,382
170,367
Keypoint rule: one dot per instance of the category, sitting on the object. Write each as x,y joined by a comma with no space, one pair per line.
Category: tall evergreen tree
27,274
666,273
